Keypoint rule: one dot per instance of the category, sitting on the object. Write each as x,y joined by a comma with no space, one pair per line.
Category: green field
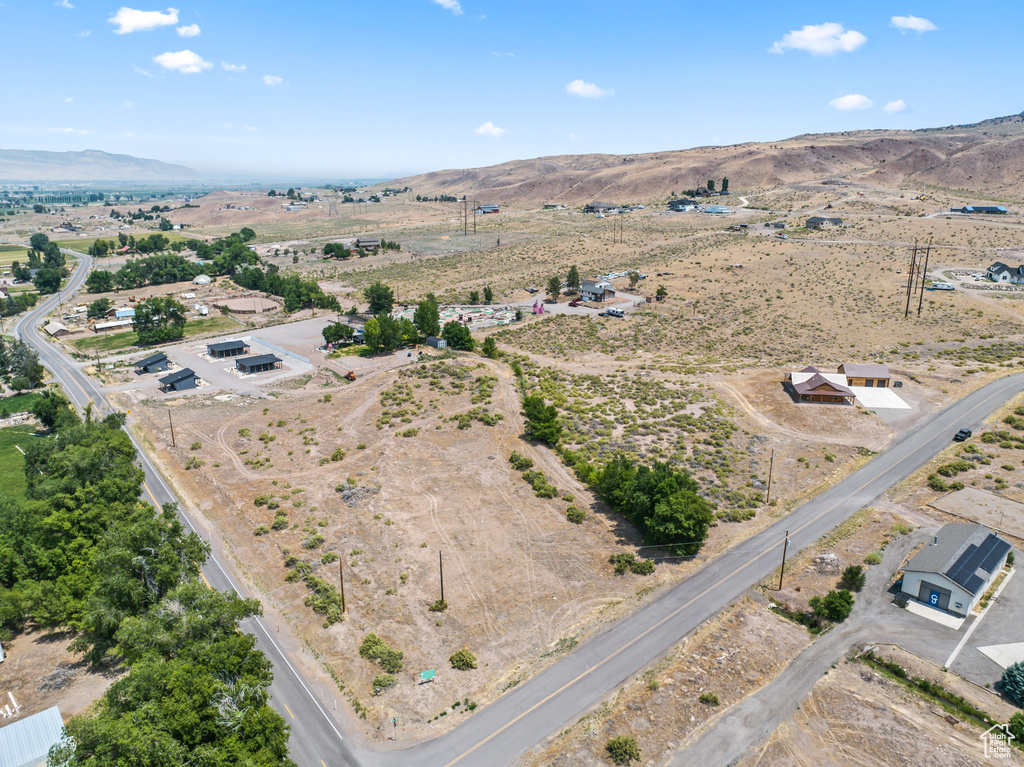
12,462
113,342
10,254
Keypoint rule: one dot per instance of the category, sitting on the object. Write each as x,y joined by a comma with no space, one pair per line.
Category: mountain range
985,158
89,165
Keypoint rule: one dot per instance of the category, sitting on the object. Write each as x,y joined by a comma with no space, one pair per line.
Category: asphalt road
316,741
501,732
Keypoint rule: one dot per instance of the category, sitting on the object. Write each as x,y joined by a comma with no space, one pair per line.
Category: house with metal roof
870,375
259,363
55,329
682,204
483,210
596,290
26,742
953,571
179,380
989,209
227,349
154,363
821,222
599,207
368,243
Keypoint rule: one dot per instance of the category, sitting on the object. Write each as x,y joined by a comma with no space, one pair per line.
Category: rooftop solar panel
962,568
994,549
973,584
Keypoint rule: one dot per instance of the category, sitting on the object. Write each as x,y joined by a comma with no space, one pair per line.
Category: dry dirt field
855,715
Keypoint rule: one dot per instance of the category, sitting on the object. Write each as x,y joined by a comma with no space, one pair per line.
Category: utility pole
440,563
924,276
341,576
910,278
465,217
171,422
771,466
785,548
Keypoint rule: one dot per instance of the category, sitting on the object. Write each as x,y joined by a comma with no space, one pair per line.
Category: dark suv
961,435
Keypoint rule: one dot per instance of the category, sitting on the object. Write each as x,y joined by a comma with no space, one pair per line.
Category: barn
953,571
869,375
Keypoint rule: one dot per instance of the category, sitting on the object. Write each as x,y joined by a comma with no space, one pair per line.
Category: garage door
934,596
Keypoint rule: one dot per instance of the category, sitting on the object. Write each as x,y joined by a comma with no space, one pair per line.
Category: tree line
81,552
296,292
19,365
47,258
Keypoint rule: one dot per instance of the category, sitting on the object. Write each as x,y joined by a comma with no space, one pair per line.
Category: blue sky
351,88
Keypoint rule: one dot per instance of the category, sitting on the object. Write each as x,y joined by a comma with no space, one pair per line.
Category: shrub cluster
374,648
629,563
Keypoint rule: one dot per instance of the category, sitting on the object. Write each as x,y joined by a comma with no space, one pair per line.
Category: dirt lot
856,716
41,673
729,656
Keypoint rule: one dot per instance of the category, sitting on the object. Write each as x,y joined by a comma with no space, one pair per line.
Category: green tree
488,294
853,578
337,332
380,297
165,225
541,420
1012,683
662,291
711,185
408,332
427,318
834,606
371,334
458,336
573,282
38,242
99,282
98,308
291,194
474,296
47,280
159,320
554,288
623,750
390,332
634,278
54,410
463,660
725,184
246,234
1017,728
272,193
490,348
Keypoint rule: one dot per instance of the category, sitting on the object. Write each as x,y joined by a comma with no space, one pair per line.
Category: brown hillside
987,158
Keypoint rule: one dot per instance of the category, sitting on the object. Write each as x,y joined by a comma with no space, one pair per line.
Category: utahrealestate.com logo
997,741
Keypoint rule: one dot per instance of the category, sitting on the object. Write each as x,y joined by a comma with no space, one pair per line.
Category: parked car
574,302
961,435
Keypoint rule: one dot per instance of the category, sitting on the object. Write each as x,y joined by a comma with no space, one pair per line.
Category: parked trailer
942,286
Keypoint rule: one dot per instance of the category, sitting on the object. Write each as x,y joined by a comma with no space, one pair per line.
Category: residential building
179,380
599,207
485,209
1000,272
821,222
811,385
437,343
596,290
368,243
683,204
103,327
953,571
55,329
154,363
870,375
260,363
227,349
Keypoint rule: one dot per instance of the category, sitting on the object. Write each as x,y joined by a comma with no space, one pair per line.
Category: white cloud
913,24
233,67
130,20
503,55
129,105
63,4
69,99
587,90
451,5
574,137
77,131
820,40
895,106
191,30
141,71
249,128
272,80
852,101
84,33
186,62
490,129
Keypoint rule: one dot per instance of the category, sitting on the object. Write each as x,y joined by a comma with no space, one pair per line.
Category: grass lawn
12,462
9,254
18,403
127,339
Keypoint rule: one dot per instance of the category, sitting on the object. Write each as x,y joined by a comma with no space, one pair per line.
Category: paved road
315,739
498,734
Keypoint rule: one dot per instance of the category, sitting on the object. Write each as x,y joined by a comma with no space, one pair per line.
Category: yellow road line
288,709
671,615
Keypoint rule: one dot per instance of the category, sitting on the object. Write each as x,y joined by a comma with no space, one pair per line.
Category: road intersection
499,733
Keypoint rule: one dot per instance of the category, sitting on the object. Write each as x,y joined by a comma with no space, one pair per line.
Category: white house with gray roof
953,571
